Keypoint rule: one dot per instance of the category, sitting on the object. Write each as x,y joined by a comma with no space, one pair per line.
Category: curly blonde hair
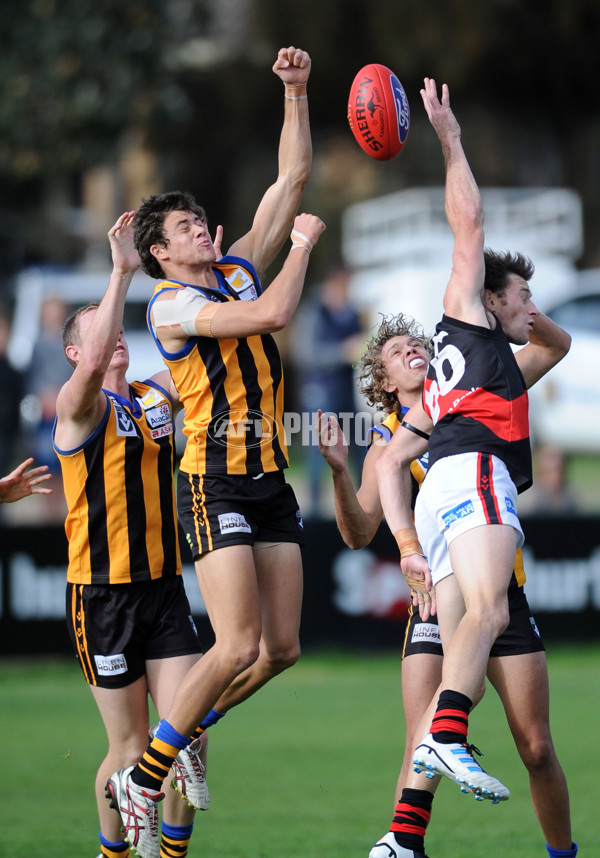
372,372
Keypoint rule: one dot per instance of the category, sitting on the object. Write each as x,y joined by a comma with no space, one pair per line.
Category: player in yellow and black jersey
127,612
213,325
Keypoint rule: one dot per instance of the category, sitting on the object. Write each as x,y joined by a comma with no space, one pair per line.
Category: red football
378,112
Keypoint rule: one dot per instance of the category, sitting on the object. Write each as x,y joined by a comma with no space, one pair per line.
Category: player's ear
72,352
489,299
159,251
389,386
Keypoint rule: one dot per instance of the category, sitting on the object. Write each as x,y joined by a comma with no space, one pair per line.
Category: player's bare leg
279,577
522,684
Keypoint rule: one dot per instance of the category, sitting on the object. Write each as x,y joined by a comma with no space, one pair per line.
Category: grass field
305,769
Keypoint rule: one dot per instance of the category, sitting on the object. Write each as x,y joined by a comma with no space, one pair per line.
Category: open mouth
415,363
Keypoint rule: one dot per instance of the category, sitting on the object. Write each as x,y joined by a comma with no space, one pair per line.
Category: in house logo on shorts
242,429
426,632
460,511
233,522
110,665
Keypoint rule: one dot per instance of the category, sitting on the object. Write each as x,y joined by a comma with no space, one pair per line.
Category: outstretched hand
439,112
292,66
332,442
20,483
124,255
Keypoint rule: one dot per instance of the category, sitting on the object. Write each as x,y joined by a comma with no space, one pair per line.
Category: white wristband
296,97
300,240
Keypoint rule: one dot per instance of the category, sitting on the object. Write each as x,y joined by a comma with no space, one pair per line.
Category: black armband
414,429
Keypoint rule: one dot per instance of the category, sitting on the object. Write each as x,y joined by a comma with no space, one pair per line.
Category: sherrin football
378,112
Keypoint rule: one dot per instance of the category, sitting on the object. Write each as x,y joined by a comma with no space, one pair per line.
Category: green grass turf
304,769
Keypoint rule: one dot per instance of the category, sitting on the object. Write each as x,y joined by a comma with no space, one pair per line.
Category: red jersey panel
476,396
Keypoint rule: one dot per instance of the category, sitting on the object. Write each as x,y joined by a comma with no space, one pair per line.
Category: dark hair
148,225
499,267
372,371
70,331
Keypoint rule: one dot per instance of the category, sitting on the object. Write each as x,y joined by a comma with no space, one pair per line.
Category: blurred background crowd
105,103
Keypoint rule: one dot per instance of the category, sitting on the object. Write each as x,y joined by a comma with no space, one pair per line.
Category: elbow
356,541
276,321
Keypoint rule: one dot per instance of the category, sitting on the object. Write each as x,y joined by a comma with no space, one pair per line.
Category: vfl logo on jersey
159,420
233,522
110,665
242,429
125,424
241,282
461,511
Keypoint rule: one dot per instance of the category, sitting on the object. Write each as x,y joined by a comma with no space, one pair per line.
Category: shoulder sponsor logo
160,415
242,429
161,431
241,282
461,511
110,665
233,522
151,398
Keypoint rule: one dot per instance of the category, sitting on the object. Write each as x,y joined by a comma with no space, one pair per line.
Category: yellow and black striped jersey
231,389
418,469
121,522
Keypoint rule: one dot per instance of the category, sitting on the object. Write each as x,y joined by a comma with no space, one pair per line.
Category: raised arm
358,513
275,214
548,344
269,313
393,478
81,403
464,292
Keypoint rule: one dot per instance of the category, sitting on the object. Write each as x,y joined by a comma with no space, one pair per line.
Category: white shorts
458,494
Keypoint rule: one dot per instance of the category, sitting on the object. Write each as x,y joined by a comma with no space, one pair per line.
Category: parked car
565,404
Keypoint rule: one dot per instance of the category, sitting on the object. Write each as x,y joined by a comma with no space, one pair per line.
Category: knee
278,660
537,753
245,657
128,749
492,619
237,658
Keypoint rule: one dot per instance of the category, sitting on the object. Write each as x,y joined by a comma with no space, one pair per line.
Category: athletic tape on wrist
300,240
296,97
408,542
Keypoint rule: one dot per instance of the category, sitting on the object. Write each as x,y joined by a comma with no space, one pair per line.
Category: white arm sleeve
182,310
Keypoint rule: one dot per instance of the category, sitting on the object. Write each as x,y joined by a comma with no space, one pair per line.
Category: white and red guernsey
476,396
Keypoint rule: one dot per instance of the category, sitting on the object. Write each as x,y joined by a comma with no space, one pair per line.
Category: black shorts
220,510
519,638
116,628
